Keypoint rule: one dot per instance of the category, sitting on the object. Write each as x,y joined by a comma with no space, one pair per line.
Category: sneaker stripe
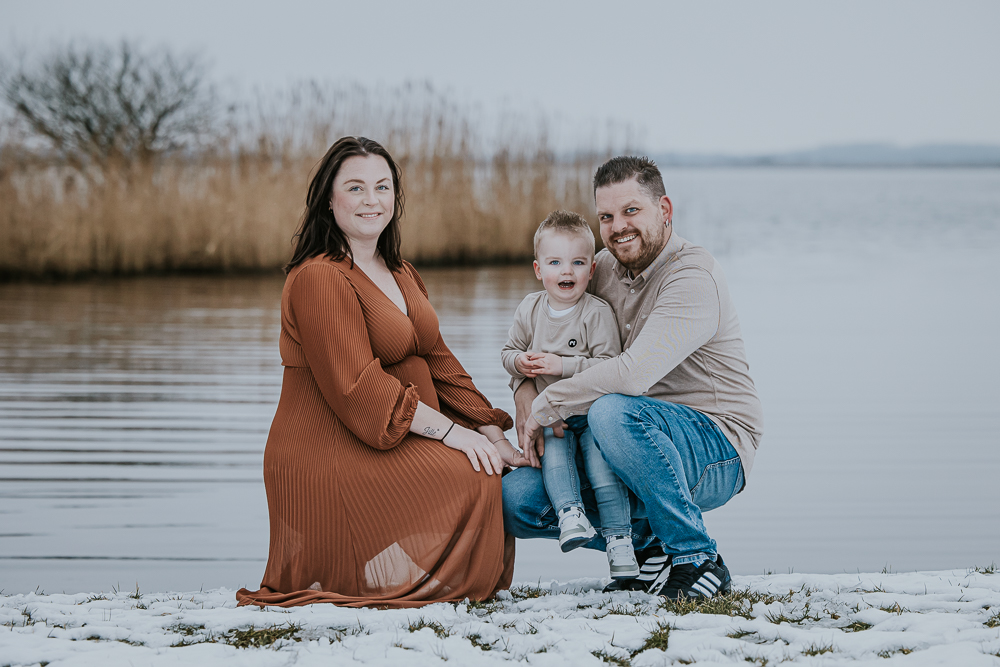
657,559
657,585
650,573
714,579
701,588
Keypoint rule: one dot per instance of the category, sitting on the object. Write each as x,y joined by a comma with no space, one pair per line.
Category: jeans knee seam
673,474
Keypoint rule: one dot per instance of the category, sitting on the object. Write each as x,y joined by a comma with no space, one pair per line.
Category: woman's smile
362,200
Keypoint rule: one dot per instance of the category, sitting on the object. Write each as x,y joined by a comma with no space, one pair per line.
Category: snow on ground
923,618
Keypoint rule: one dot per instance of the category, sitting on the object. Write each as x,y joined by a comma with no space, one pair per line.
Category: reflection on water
133,413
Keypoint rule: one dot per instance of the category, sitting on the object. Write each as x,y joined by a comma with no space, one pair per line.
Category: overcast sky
731,77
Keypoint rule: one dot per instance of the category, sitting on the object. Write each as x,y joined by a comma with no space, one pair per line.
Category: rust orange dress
360,508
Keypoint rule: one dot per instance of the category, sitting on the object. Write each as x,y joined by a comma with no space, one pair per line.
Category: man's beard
649,249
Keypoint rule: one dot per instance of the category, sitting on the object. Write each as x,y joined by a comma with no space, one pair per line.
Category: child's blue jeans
562,482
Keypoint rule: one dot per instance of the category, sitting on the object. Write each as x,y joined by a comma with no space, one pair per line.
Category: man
676,415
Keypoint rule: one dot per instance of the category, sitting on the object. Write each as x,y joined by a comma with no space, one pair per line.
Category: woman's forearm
429,423
492,433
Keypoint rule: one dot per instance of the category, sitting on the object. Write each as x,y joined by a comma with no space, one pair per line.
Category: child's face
565,264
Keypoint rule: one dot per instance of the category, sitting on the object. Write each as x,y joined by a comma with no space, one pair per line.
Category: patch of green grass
738,602
740,634
436,627
611,659
718,605
993,621
188,634
778,619
658,638
625,610
817,650
895,609
253,637
525,592
989,569
889,654
856,626
490,607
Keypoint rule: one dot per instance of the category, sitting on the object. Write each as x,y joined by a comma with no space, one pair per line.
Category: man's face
634,227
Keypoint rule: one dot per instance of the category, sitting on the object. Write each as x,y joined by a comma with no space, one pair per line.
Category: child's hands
533,364
521,363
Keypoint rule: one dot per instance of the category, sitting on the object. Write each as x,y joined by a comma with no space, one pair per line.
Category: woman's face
362,200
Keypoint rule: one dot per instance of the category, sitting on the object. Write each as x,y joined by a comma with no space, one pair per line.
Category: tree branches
101,104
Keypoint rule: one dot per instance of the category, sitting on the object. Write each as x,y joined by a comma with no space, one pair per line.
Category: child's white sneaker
621,557
574,529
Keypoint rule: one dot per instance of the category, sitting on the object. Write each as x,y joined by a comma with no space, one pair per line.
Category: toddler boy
557,333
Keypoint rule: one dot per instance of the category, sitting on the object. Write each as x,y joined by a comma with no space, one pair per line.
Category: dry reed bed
235,204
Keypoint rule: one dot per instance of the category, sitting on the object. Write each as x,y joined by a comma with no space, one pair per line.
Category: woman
371,495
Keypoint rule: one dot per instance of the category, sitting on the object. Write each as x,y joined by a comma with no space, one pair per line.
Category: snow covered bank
924,618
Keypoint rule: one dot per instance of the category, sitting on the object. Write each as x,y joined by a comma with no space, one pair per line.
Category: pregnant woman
383,462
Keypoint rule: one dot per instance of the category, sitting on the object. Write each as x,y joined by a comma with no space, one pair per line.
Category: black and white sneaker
653,568
688,581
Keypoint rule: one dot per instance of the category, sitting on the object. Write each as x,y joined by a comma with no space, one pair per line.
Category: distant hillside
855,155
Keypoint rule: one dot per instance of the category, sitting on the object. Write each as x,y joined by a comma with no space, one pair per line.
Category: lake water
133,413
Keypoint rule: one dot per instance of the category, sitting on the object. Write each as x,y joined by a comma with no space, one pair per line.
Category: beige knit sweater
582,338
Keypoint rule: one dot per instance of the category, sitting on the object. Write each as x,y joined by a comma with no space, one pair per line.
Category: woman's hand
477,447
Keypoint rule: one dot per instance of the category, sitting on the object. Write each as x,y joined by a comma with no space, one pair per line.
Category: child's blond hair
566,221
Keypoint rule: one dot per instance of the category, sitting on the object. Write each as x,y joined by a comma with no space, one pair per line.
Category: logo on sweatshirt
572,342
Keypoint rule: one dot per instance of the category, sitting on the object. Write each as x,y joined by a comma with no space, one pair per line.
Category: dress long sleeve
327,321
459,398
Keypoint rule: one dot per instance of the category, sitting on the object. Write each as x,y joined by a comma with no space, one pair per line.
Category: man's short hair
626,167
565,221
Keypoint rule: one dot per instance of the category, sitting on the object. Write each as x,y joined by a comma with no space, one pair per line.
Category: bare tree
97,103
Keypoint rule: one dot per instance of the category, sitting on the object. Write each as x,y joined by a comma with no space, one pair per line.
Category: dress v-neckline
402,292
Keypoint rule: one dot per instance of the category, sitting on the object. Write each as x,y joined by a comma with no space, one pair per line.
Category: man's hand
523,398
532,441
533,446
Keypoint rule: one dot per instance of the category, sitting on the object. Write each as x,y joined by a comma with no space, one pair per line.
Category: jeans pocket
717,484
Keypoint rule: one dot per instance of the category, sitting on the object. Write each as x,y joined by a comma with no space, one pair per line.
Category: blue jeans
562,478
675,462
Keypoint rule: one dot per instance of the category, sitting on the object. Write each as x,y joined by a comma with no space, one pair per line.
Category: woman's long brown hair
318,232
